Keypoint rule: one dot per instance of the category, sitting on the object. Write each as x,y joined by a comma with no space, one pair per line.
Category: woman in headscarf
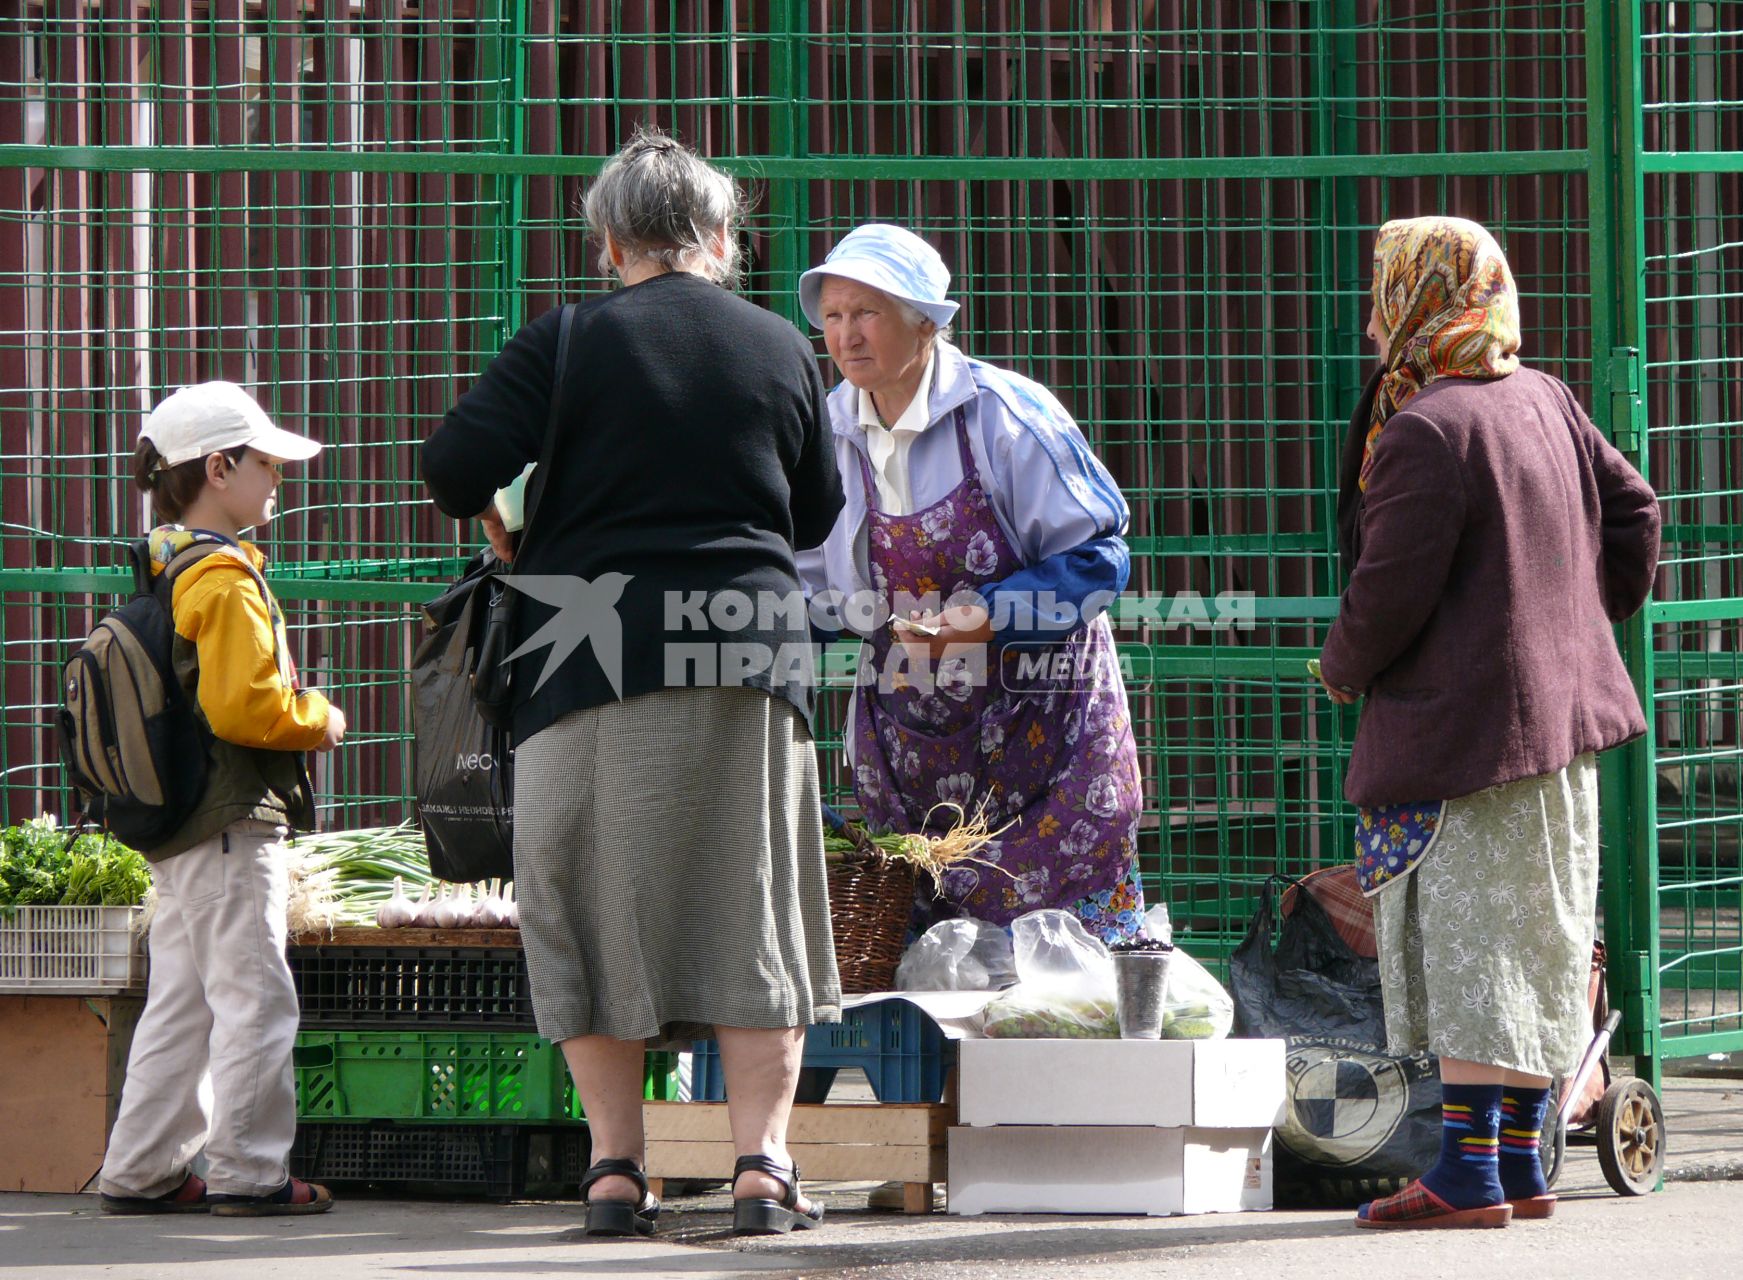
981,526
1493,537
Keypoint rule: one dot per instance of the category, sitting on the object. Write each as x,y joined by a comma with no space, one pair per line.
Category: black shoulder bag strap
492,685
559,377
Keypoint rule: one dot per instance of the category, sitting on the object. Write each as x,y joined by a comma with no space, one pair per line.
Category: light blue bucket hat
886,257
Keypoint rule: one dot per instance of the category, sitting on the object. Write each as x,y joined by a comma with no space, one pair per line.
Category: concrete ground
1694,1228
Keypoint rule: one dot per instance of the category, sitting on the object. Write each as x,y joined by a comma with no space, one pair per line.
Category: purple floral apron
1046,741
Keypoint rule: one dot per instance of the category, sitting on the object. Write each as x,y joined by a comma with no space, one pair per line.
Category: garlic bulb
492,911
511,913
396,912
484,908
467,916
453,912
424,913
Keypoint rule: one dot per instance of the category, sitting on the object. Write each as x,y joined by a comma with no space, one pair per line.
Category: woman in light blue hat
977,555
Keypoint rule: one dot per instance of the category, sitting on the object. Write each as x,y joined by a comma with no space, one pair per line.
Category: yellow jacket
247,683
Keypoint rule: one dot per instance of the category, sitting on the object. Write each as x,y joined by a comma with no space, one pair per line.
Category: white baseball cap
889,258
213,416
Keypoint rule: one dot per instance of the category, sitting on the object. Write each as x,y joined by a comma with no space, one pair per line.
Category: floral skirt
1486,947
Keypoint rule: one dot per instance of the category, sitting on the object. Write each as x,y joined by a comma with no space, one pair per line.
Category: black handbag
463,768
493,683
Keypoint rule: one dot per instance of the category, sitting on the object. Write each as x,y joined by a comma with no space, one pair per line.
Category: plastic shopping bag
1065,984
463,767
1196,1007
958,955
1361,1122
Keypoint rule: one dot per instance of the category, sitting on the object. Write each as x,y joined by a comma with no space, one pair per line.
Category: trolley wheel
1631,1137
1552,1149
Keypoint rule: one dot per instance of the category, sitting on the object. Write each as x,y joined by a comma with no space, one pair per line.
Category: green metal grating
1676,891
1161,210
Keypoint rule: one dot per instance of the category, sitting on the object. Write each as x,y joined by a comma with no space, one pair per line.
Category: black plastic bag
464,767
1361,1122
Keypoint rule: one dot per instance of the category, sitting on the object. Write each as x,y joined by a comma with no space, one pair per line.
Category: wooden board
873,1124
830,1143
371,936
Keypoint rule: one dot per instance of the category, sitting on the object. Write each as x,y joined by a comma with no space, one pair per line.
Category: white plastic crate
71,949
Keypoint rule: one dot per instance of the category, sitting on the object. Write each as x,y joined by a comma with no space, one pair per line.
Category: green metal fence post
789,125
1630,834
1341,241
514,192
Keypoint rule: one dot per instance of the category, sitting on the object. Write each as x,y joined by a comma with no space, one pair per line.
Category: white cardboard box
1108,1170
1207,1084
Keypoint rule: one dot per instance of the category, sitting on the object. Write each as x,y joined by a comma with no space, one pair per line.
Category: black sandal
619,1217
760,1217
189,1197
285,1202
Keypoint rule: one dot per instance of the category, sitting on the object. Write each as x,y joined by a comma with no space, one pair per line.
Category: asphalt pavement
1693,1228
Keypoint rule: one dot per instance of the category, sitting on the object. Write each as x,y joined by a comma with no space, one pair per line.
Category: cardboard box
1108,1170
1208,1084
63,1060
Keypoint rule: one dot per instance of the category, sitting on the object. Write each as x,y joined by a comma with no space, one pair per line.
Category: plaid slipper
1418,1208
190,1197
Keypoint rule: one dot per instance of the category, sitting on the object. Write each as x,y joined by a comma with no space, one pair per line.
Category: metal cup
1140,992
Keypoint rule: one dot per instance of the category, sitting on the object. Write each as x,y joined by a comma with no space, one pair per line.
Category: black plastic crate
398,988
500,1162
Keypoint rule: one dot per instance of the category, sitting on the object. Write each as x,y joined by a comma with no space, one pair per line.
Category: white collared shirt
888,446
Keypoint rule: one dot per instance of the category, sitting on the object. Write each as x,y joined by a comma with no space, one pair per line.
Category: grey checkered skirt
669,866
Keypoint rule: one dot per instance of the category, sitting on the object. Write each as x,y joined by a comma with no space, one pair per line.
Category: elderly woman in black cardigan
1494,536
668,842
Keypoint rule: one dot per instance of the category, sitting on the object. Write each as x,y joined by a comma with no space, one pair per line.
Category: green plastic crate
485,1077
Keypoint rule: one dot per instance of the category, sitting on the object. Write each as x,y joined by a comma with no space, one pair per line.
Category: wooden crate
841,1142
63,1059
357,935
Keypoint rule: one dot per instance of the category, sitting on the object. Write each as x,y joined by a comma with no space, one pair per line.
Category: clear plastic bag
958,955
1065,987
1157,926
1197,1007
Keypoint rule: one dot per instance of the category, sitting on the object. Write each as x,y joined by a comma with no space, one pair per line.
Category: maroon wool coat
1499,538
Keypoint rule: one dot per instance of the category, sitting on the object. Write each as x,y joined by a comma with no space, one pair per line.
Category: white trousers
221,1003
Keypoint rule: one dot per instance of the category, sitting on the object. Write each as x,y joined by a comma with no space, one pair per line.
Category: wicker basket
871,897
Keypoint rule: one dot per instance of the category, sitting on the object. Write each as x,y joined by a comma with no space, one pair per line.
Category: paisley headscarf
1448,307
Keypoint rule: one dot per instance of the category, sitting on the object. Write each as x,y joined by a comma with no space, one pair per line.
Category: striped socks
1467,1176
1522,1112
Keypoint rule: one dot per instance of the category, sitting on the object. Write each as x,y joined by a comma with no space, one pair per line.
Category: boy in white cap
221,1001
